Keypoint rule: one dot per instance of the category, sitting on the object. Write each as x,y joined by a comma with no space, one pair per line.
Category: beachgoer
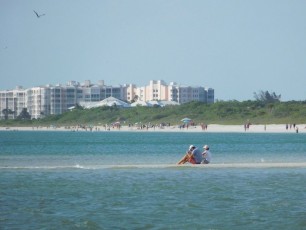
206,155
193,156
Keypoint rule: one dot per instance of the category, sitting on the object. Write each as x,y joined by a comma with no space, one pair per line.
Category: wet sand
271,128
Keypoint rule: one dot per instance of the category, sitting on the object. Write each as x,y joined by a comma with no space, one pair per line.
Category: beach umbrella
186,120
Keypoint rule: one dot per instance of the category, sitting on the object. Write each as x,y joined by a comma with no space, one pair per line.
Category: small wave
77,166
263,164
32,167
165,166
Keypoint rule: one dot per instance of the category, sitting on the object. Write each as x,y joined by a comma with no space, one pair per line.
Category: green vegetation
221,112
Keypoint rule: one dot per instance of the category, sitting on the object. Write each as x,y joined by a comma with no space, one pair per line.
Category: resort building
155,91
160,91
52,100
12,102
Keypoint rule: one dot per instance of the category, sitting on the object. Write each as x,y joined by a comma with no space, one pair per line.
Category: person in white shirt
206,155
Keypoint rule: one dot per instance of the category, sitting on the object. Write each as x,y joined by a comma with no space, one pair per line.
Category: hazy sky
235,47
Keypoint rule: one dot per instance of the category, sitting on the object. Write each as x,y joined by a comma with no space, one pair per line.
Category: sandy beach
271,128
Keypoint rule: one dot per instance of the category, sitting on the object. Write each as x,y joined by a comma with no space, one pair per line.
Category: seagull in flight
38,15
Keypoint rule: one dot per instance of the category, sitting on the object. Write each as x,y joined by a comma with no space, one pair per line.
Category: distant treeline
221,112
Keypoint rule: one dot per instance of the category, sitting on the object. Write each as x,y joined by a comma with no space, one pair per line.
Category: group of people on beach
195,156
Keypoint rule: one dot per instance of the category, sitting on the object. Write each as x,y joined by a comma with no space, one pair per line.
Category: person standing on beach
193,156
206,155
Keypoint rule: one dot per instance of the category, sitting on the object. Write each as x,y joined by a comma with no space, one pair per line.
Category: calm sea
129,180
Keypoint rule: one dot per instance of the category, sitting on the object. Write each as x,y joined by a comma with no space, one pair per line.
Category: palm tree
136,97
7,112
24,115
266,97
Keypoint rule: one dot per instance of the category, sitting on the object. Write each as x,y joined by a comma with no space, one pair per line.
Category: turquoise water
128,180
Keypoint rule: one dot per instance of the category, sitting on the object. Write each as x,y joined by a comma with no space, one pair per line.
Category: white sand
271,128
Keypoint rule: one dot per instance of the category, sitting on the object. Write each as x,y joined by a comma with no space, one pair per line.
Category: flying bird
38,15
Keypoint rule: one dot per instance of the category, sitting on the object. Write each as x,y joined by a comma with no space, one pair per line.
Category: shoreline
213,128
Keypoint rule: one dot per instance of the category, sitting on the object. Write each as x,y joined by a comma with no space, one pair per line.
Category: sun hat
191,147
205,147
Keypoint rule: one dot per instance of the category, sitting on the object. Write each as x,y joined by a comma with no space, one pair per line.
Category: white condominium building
12,102
52,100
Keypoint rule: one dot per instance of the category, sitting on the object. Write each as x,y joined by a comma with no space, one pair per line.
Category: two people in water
195,156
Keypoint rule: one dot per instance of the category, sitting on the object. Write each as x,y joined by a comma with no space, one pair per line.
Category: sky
236,47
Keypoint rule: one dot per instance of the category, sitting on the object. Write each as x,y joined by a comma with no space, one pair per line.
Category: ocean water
129,180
